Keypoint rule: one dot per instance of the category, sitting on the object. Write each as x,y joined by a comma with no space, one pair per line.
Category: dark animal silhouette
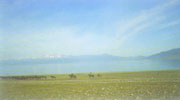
53,77
99,75
72,76
91,75
22,77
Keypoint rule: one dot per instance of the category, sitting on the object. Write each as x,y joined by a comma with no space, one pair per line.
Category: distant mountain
173,54
72,59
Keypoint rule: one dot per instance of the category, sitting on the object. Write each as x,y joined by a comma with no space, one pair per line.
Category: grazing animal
53,77
43,77
72,76
23,77
99,75
91,75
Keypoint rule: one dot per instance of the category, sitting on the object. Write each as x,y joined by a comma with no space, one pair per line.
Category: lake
81,67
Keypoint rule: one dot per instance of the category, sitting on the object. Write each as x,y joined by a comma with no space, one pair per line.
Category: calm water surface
78,67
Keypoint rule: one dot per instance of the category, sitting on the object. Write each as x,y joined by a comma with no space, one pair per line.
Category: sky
52,28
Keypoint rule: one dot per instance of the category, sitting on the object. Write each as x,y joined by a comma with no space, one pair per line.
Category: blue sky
40,28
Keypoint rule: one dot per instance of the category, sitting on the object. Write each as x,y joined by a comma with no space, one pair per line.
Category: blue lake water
80,67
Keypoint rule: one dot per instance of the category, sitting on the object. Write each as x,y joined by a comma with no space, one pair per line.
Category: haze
38,28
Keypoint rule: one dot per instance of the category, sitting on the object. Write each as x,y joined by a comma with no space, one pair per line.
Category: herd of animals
71,76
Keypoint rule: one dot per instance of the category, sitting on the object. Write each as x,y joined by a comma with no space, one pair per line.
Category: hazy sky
39,28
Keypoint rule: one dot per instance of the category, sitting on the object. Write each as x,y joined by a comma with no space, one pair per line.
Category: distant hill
173,54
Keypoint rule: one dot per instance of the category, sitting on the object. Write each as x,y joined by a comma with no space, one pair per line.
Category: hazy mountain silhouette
173,54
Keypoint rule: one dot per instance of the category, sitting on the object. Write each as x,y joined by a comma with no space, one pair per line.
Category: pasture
144,85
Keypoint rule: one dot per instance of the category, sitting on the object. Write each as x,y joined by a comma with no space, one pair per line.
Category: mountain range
173,54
